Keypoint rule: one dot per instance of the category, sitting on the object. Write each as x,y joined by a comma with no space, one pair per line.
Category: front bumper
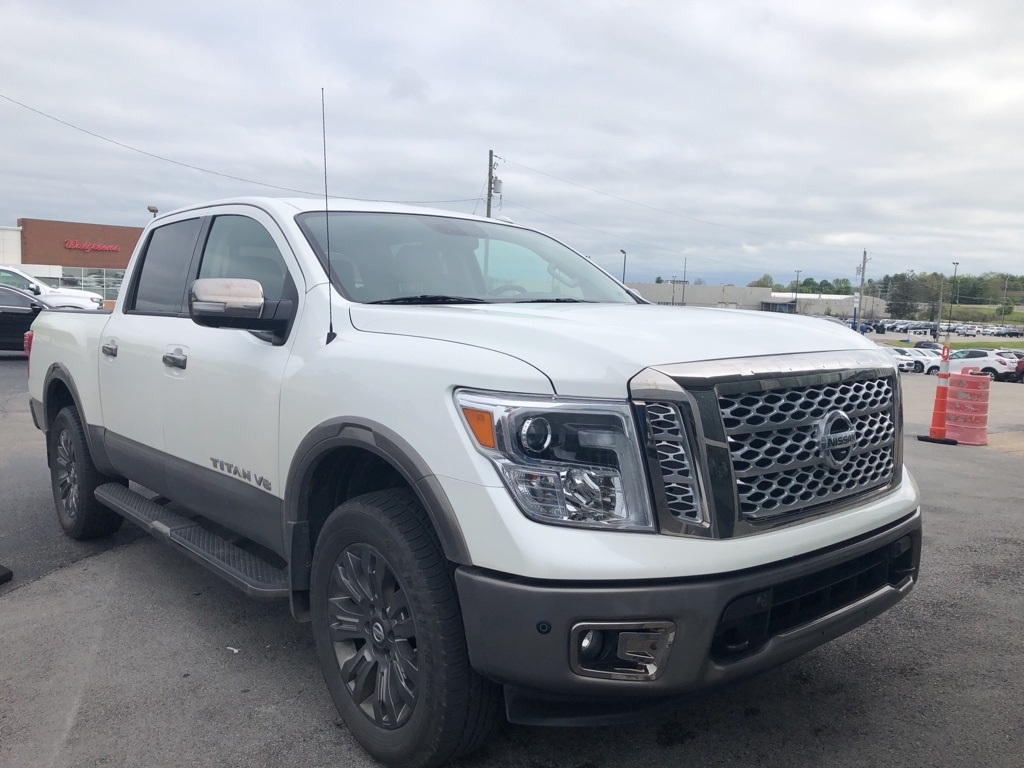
518,630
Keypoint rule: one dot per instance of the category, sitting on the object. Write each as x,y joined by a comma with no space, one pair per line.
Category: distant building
73,254
758,299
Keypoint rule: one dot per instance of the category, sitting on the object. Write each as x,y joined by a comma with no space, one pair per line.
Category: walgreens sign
78,245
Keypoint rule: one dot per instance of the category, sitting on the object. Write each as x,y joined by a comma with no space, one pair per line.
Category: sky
731,139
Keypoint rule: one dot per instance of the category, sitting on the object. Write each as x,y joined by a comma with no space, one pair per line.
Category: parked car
928,345
71,298
921,357
18,310
998,368
904,362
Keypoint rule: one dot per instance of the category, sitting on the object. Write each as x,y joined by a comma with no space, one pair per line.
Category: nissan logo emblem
836,438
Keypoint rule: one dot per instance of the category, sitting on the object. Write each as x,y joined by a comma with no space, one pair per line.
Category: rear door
148,319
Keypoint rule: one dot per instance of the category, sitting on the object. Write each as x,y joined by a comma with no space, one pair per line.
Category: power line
671,213
212,172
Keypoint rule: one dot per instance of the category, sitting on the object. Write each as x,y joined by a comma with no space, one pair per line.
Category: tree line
916,296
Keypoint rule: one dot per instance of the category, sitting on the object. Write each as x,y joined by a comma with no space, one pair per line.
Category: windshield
408,258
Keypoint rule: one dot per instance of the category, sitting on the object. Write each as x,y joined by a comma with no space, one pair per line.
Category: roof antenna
331,335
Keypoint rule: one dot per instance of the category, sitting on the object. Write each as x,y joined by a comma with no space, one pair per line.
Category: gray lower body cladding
519,631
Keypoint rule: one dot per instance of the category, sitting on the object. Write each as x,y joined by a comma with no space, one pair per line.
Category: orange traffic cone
937,433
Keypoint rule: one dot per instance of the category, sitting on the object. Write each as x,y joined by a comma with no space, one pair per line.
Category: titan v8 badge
233,469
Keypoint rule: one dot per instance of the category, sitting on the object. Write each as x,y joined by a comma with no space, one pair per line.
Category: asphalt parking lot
122,653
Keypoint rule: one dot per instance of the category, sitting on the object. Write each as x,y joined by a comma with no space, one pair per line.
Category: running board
248,572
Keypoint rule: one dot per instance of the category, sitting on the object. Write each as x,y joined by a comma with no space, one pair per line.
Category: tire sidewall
350,524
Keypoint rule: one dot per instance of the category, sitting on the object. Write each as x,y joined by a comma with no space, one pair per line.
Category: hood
594,350
72,293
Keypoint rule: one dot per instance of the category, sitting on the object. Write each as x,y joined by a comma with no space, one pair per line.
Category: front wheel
992,375
74,479
918,367
389,635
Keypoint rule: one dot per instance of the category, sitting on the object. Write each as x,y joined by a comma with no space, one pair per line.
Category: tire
918,367
74,479
992,375
386,620
932,371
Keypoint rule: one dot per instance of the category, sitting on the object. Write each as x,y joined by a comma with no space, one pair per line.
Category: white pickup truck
70,298
496,482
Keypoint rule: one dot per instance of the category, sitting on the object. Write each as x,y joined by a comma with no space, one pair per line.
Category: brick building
74,254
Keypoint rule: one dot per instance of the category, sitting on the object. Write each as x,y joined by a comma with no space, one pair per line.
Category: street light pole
796,288
673,290
952,291
623,265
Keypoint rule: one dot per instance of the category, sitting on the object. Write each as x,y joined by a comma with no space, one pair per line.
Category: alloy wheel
67,475
373,631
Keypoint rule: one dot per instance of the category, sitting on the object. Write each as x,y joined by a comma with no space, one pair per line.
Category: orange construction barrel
967,407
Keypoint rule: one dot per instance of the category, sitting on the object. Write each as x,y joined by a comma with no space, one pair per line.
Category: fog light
591,644
621,651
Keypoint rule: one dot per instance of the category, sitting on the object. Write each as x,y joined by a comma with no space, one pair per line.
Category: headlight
569,462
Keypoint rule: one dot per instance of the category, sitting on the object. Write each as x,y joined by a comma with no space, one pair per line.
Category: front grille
774,440
750,621
680,482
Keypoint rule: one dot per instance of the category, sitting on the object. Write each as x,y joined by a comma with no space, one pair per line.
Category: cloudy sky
743,137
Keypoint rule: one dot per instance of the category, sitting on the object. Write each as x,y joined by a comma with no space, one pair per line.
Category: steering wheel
508,288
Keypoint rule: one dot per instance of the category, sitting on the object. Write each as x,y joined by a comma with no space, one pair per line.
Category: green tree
658,280
902,303
764,281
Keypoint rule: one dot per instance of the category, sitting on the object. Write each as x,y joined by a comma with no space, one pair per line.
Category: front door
223,405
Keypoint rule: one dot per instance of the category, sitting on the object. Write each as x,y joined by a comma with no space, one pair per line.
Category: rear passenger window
241,247
160,289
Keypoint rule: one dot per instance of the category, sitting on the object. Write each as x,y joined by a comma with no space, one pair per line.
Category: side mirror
35,289
237,303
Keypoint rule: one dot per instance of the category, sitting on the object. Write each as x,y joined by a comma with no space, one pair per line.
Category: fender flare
355,432
93,434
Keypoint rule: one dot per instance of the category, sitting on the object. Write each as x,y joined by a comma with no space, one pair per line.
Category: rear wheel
74,479
932,371
389,635
990,373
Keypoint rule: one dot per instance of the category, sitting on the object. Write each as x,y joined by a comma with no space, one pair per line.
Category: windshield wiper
562,300
430,298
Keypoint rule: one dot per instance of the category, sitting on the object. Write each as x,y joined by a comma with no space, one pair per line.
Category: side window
14,299
14,280
160,288
241,247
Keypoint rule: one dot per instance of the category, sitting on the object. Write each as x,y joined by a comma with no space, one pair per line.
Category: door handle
109,349
175,359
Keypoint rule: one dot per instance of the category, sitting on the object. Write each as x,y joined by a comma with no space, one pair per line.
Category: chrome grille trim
695,389
678,477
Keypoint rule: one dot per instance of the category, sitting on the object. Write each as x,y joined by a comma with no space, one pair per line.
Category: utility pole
673,290
796,288
860,295
1002,309
683,302
938,314
490,180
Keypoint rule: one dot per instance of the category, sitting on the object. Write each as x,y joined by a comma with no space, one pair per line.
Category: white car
922,356
987,361
70,298
904,361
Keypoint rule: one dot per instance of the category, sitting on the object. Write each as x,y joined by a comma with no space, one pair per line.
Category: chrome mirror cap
228,297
